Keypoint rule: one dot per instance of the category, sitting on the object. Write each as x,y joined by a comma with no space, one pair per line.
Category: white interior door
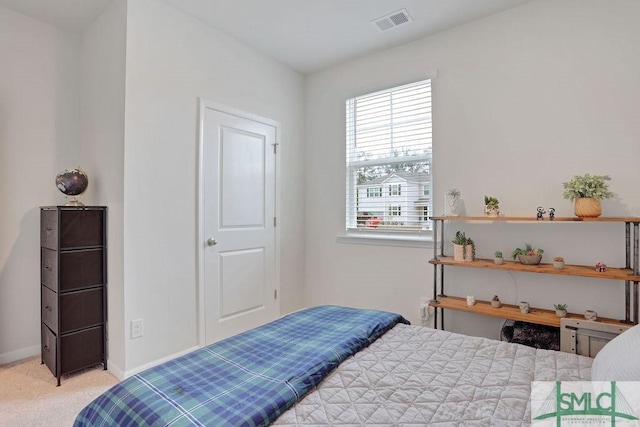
238,210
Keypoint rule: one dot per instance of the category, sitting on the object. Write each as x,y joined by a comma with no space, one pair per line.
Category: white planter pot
451,205
460,254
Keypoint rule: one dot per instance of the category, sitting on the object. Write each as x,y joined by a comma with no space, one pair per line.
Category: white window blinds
389,160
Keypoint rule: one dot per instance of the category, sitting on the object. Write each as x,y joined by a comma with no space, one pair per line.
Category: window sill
390,239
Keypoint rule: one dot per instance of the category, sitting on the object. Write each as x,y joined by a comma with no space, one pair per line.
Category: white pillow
619,359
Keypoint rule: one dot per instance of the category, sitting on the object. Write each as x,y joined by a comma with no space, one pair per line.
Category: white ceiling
307,35
72,15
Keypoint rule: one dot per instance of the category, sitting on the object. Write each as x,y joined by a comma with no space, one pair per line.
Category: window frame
371,193
395,190
416,237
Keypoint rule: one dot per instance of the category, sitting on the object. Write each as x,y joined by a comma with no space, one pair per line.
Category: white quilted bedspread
416,376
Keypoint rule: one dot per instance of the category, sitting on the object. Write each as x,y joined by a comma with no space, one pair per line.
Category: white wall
523,101
172,60
38,139
102,145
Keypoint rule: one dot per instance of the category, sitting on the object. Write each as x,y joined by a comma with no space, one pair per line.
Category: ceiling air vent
392,20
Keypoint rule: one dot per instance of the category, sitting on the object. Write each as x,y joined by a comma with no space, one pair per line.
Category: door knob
212,242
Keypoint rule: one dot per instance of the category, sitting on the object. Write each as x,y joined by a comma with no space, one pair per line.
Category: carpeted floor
29,396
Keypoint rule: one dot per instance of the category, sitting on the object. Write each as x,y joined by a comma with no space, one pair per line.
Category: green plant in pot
495,302
528,255
586,192
498,258
561,310
452,202
491,206
558,262
464,249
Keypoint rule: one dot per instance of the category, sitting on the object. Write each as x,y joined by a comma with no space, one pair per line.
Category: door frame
205,104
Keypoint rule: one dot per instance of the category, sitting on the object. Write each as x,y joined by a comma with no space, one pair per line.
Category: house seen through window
389,160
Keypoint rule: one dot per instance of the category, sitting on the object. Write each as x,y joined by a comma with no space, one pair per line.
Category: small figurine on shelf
552,214
495,302
541,212
601,267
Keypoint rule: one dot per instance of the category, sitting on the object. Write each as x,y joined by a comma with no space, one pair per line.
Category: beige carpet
29,396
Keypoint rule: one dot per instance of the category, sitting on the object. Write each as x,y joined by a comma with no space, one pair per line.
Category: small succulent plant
528,250
558,259
561,307
491,201
463,240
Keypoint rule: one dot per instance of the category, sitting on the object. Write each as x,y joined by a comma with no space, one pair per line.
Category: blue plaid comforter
246,380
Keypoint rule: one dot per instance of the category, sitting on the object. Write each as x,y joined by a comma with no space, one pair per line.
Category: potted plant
558,262
491,206
464,249
497,258
528,255
587,191
495,302
452,200
561,310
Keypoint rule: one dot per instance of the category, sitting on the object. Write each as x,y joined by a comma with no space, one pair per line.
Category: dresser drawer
76,269
49,228
49,309
49,348
81,349
74,228
80,310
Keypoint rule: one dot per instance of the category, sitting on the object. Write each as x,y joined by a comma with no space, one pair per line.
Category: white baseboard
24,353
115,370
141,368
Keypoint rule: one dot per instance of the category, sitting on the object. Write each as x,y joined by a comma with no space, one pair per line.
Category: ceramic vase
451,205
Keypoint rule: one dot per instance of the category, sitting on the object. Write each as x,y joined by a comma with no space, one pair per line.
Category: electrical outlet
137,328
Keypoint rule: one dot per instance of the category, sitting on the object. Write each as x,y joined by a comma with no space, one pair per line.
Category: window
389,146
395,190
374,192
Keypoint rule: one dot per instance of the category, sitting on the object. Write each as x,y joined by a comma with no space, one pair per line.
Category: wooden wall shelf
629,274
568,270
545,220
509,311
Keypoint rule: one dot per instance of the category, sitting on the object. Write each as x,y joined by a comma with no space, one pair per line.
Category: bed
332,365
